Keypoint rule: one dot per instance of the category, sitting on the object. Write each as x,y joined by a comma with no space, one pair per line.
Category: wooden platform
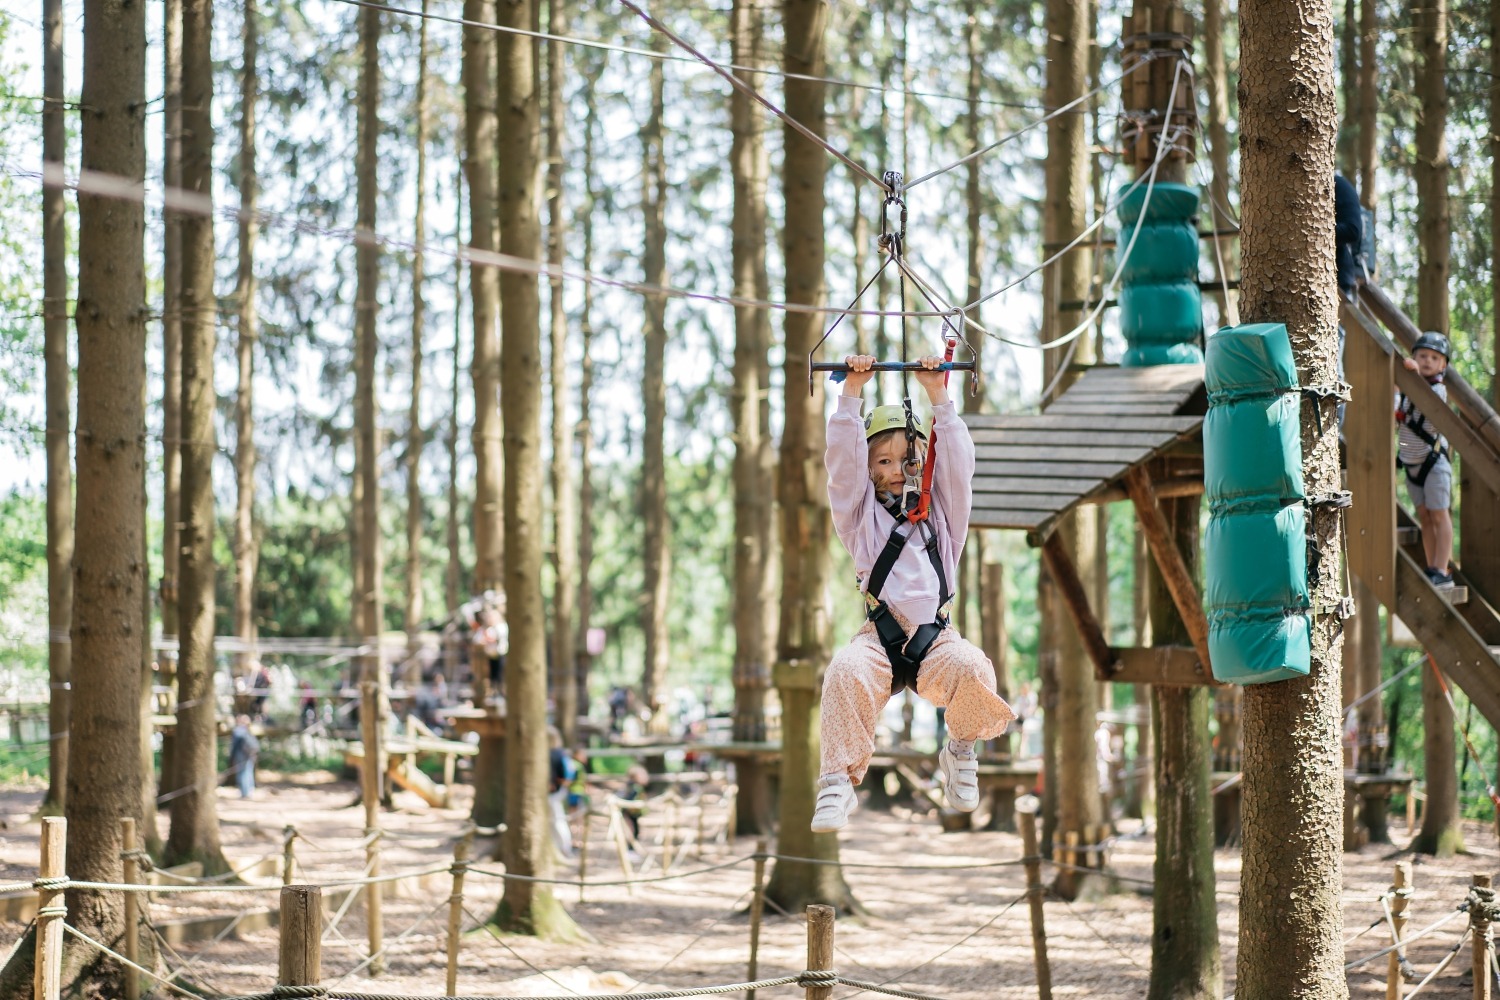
1032,469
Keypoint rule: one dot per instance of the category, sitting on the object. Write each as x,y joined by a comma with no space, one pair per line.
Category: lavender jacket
863,525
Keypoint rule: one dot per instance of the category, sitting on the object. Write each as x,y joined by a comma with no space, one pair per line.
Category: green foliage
20,253
23,591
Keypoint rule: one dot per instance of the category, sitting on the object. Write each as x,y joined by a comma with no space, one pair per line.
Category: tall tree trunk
564,540
369,612
1494,187
484,292
584,431
1369,100
453,581
657,545
802,648
1348,47
1441,833
59,409
1225,250
246,556
1067,193
411,616
751,167
195,817
1291,925
525,907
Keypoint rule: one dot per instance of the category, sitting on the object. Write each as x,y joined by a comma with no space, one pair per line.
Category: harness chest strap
1413,419
905,652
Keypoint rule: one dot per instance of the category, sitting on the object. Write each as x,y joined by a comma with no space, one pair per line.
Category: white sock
961,748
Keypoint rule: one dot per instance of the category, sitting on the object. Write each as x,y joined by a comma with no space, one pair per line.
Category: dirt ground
963,935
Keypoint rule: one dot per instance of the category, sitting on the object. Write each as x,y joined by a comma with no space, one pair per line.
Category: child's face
886,456
1429,362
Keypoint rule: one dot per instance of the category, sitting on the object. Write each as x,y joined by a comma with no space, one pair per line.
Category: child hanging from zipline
906,641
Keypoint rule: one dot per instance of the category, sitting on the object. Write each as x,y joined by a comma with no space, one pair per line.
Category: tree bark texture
453,580
564,525
1291,926
1225,250
59,410
802,649
1185,960
1369,101
1494,182
1348,46
753,600
1065,215
657,554
484,292
411,616
109,576
246,552
195,821
525,907
584,429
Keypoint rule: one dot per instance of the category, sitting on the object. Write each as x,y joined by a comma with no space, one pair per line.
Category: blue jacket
1348,231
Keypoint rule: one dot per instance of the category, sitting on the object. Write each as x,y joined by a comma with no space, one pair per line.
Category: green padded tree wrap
1255,548
1161,309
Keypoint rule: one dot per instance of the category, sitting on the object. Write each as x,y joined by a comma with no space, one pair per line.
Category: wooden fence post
288,853
1479,939
1395,979
456,909
301,960
583,850
1026,813
52,910
819,947
132,908
757,907
374,924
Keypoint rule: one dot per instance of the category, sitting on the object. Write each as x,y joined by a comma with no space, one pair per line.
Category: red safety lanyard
924,504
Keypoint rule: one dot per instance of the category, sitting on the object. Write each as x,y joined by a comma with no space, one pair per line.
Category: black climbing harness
1413,419
905,651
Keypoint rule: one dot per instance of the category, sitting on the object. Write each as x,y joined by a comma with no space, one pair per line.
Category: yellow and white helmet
891,417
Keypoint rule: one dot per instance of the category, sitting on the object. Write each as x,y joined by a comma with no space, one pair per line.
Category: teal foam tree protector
1161,309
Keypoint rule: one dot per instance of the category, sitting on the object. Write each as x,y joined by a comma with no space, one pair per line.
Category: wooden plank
1059,421
1168,666
1168,559
1155,375
1478,541
1026,501
1085,437
1011,453
1453,644
1068,406
1024,469
1076,600
1012,484
1370,446
1099,392
1010,520
1017,502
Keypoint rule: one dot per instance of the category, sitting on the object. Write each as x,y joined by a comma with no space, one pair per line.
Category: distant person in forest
1348,235
1423,453
904,567
243,749
563,770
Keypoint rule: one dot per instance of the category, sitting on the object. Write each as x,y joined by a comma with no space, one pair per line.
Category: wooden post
51,911
450,763
1481,943
288,854
132,908
1076,600
1026,812
669,830
1169,560
374,924
456,908
301,960
698,844
583,853
757,907
1070,839
1395,982
819,947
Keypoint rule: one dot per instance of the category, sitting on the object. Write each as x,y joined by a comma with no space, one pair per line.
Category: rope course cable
70,929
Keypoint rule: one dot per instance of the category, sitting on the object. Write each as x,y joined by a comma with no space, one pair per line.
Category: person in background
243,749
563,770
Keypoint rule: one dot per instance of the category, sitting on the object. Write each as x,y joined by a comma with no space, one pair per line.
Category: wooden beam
1370,449
1169,561
1178,486
1168,666
1076,600
1450,640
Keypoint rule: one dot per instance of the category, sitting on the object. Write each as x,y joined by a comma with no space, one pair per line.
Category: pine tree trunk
1067,192
657,546
802,648
484,292
195,821
411,616
453,580
1369,100
1494,183
584,430
1440,832
1348,46
565,546
246,556
525,907
1224,250
1291,925
750,165
59,411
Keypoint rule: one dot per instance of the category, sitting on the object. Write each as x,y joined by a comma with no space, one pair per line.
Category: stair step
1409,535
1455,595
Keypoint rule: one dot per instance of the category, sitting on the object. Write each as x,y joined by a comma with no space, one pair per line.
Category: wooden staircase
1458,627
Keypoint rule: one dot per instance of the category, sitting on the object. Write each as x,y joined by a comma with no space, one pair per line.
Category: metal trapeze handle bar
839,369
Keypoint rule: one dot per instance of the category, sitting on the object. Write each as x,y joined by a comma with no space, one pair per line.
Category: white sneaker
836,800
960,779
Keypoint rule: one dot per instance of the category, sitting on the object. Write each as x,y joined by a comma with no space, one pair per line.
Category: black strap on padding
905,653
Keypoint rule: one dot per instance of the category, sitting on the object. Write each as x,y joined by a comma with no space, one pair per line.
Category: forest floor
963,935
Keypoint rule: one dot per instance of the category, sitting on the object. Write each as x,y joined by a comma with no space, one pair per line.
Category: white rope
1457,912
122,959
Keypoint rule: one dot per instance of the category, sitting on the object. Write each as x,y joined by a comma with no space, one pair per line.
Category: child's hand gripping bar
838,369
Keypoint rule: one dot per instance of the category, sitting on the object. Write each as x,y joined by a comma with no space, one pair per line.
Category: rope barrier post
1395,980
757,907
1026,808
52,909
1479,935
698,844
820,947
288,853
301,959
583,849
374,924
132,907
456,908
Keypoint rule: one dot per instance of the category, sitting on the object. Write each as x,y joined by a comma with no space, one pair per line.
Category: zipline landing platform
1032,469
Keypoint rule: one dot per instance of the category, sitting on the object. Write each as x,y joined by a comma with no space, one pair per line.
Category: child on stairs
906,640
1423,453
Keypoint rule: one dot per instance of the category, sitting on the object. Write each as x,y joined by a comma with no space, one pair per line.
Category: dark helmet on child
1431,340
